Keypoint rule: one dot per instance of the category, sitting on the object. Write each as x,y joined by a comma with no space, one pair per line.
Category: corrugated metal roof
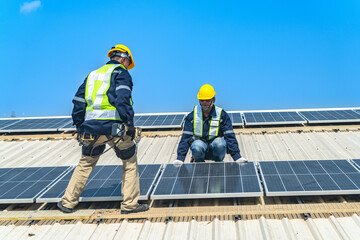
257,144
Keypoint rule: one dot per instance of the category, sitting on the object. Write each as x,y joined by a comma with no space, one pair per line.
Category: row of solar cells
175,120
190,181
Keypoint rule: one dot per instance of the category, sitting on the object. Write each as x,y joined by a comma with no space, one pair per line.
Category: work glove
130,131
241,160
178,163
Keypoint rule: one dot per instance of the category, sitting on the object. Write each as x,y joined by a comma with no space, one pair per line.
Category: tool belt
87,138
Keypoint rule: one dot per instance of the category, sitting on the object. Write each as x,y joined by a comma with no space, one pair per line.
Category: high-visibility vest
97,85
214,123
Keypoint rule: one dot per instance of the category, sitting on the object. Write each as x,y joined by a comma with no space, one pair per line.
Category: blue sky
258,55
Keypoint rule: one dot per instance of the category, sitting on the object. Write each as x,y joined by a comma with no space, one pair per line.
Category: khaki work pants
130,187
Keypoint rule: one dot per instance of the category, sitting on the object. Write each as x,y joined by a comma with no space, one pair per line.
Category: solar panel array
310,177
175,120
104,184
190,181
23,185
36,125
272,118
331,116
208,180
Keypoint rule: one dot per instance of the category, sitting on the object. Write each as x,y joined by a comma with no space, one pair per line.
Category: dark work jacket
225,130
120,99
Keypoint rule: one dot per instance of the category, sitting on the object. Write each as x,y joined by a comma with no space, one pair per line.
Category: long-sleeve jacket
119,95
225,130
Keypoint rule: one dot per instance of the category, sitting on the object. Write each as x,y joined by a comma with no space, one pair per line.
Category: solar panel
208,180
236,118
37,125
272,118
8,122
22,185
159,121
310,177
68,127
331,116
104,184
357,162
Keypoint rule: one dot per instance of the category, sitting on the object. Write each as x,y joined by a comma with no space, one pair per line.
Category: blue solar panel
104,184
331,116
159,121
22,185
272,118
68,127
8,122
37,125
236,118
208,180
311,177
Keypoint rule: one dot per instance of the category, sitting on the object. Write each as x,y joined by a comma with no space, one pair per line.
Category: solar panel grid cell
207,180
38,124
104,184
7,123
22,185
331,116
311,177
259,118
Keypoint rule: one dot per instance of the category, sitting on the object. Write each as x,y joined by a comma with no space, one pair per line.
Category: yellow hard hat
124,49
206,92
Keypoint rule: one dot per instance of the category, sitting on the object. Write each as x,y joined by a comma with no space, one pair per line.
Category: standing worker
101,102
208,132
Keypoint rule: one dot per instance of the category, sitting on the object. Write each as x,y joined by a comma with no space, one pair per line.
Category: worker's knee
125,153
198,149
93,151
218,145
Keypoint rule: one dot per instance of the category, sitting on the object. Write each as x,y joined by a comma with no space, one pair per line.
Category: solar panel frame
26,185
305,176
273,118
8,122
57,190
330,116
356,162
236,118
166,178
52,125
159,121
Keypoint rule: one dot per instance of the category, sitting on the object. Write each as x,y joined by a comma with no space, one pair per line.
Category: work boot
64,209
139,208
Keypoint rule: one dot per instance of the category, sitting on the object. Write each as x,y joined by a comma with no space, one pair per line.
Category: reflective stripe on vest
214,122
97,85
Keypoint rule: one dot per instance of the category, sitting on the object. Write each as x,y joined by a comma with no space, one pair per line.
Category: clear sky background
258,55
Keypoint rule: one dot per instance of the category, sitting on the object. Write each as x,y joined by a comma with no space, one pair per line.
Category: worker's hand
241,160
130,131
178,163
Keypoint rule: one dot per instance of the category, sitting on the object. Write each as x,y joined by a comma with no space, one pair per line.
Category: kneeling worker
208,132
101,102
